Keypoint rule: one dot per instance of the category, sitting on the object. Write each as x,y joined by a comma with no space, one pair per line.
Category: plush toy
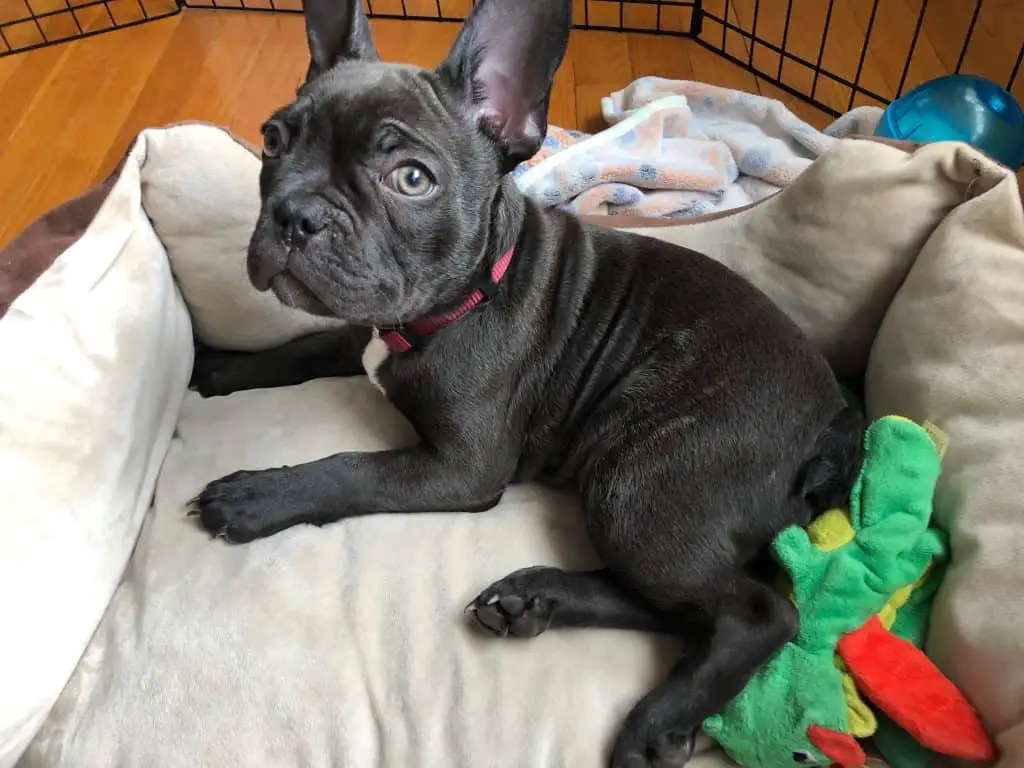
862,580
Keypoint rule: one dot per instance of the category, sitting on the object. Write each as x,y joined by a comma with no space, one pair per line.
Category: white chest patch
374,355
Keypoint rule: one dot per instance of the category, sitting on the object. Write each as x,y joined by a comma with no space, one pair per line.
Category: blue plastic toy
959,108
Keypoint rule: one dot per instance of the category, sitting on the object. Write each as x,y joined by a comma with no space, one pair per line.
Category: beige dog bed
131,639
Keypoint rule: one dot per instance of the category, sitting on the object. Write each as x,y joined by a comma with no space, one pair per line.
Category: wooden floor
68,112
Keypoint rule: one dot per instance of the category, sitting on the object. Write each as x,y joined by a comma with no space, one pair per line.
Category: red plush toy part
909,688
841,748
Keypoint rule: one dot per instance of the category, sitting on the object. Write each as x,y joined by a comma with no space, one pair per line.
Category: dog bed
132,639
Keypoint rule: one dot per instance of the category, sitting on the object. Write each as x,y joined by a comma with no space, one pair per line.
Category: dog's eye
275,139
410,180
803,757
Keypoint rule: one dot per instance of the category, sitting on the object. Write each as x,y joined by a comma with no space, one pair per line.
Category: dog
692,416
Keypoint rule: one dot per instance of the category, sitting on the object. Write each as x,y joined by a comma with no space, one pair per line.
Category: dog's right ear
336,30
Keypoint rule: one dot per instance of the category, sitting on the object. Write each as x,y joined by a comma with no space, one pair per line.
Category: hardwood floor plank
278,71
428,42
58,150
661,56
25,78
709,67
562,108
601,64
178,73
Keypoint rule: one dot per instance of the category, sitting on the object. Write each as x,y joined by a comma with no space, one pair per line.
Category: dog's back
661,374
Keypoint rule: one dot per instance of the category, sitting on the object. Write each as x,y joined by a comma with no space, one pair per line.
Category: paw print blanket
680,149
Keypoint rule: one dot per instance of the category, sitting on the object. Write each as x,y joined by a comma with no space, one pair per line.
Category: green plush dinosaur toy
854,575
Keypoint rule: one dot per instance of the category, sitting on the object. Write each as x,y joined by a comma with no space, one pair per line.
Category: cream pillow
96,348
951,350
833,248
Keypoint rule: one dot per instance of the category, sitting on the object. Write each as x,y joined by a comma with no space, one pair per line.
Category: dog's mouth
292,292
292,275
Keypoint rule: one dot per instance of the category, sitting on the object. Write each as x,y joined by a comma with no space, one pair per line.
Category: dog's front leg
336,352
248,505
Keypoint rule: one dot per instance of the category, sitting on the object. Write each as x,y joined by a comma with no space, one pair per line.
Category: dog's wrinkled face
379,182
373,193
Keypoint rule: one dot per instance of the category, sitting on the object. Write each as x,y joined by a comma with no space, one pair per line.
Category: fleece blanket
680,149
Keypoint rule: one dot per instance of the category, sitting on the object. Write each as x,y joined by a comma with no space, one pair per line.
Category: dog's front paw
654,745
248,505
216,373
522,604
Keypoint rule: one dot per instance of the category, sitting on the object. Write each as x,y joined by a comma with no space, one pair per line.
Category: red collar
405,337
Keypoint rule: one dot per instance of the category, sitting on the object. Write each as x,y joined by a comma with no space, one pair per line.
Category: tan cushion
833,248
344,645
96,349
340,646
951,350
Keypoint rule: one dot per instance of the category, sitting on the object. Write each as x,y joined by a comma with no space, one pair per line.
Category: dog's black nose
300,217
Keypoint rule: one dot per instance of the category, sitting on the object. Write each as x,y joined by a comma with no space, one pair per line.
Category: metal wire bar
863,55
968,36
821,50
725,24
74,18
110,15
36,18
913,47
753,34
785,37
1016,69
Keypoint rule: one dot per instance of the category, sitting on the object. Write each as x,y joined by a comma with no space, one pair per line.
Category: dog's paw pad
510,608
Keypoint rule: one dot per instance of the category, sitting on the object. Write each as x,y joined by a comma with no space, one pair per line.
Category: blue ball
959,108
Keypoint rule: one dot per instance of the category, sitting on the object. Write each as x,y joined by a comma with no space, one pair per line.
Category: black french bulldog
690,413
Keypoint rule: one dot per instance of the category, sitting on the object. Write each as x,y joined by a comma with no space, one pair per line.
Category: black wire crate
835,54
29,24
839,54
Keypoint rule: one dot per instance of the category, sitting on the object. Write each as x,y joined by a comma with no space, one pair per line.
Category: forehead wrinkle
438,106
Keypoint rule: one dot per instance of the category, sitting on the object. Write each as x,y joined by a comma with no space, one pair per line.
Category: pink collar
405,337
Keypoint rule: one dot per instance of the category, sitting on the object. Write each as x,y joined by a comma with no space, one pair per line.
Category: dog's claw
471,608
492,599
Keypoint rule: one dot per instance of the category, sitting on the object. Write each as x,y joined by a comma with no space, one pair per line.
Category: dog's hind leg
727,636
532,600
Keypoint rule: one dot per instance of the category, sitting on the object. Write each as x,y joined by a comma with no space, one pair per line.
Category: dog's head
381,183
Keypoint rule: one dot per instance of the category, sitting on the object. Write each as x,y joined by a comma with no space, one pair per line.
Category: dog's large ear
336,30
501,68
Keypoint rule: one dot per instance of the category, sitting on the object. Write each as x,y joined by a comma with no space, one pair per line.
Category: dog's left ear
336,30
501,68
